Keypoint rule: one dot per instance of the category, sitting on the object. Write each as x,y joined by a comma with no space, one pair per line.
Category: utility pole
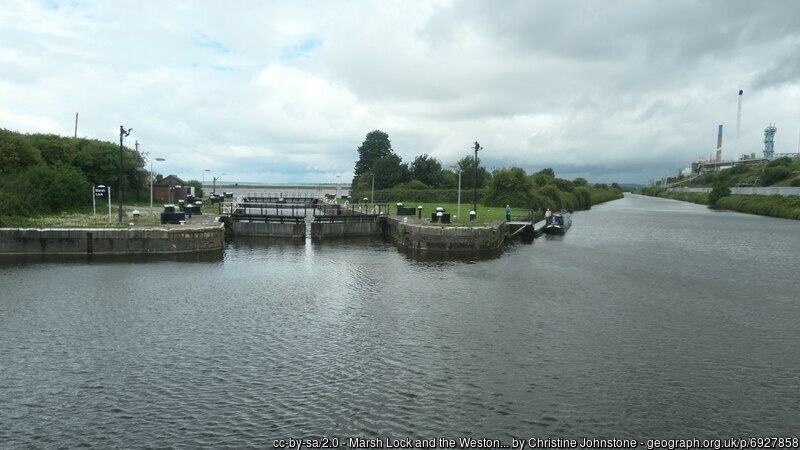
137,172
475,180
122,134
76,126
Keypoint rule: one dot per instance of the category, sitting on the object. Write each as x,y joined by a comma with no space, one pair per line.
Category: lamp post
122,134
475,179
373,189
455,166
151,180
338,182
203,183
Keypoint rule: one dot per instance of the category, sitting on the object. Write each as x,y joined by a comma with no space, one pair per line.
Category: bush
43,189
509,187
552,193
539,202
782,161
716,194
584,197
569,201
775,174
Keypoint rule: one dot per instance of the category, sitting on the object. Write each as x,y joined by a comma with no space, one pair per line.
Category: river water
650,318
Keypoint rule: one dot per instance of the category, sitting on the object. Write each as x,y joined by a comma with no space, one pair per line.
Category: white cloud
277,92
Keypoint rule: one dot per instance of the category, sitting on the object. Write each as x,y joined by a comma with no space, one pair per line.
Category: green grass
86,219
772,205
693,197
485,214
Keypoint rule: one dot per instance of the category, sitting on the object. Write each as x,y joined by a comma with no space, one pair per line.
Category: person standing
508,213
547,215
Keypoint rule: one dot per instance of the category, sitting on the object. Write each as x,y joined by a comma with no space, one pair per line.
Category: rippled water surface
649,318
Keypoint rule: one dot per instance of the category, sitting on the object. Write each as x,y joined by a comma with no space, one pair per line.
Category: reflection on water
649,318
210,256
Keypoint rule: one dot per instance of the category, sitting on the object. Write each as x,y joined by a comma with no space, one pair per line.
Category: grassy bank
602,196
86,219
763,205
692,197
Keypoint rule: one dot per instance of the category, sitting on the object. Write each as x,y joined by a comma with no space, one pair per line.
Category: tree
543,177
427,169
563,185
198,187
389,172
509,187
16,153
579,182
375,146
55,149
467,167
547,171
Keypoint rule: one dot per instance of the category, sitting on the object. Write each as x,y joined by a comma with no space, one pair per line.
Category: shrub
716,194
45,189
775,174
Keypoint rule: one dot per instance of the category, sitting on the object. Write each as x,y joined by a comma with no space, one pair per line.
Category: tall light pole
372,196
475,180
338,182
151,180
455,166
122,134
203,184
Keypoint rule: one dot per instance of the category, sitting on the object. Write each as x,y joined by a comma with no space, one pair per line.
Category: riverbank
786,207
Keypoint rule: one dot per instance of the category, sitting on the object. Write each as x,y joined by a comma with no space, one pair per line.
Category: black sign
100,191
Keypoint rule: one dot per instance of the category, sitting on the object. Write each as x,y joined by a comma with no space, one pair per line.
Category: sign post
101,192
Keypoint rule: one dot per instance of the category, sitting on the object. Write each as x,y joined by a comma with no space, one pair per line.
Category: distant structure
738,123
769,141
715,161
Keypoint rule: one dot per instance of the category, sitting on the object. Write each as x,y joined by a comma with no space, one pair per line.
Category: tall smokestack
738,123
719,144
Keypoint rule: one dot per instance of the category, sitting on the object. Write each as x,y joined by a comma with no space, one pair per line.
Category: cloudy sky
285,91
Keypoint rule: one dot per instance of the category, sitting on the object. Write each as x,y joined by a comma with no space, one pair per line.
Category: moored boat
559,222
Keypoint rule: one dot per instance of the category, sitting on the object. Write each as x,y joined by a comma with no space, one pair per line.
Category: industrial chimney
738,123
719,144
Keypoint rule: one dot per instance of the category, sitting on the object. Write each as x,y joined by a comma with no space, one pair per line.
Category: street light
455,166
151,180
475,180
122,134
203,184
338,182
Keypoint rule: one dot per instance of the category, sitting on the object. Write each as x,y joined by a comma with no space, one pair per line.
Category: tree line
45,173
425,180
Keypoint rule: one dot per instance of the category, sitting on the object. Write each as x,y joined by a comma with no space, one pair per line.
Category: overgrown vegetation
45,174
783,171
507,187
772,205
787,207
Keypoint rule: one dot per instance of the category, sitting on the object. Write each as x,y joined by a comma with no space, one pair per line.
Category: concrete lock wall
344,229
270,229
55,241
440,238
